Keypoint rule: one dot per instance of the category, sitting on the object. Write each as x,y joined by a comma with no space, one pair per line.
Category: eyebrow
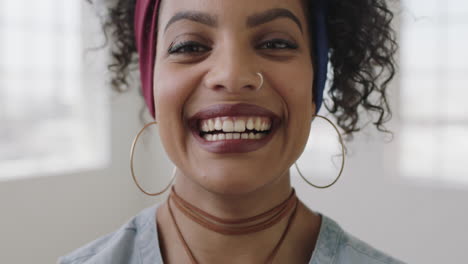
196,16
252,21
272,14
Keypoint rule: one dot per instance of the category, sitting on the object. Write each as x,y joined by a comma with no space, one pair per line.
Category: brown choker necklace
242,226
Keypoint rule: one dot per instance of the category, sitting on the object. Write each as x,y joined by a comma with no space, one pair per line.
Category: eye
187,47
277,44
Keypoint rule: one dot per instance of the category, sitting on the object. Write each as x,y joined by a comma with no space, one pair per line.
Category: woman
234,87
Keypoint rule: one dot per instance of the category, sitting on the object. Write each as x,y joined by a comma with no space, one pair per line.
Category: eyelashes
187,47
195,48
278,44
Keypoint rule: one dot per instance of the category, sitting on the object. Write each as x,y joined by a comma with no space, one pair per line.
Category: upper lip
240,109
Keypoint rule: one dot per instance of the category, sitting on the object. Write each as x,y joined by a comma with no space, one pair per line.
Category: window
434,90
52,114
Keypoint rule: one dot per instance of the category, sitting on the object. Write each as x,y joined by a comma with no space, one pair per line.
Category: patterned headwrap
146,15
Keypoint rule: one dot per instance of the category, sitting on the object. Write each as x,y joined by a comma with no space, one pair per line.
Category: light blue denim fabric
136,243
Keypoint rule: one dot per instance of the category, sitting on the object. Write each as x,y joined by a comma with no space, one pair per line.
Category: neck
212,247
234,205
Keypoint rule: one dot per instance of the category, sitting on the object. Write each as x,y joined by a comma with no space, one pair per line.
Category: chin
228,182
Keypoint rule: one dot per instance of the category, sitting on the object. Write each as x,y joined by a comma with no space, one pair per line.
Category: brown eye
277,44
188,47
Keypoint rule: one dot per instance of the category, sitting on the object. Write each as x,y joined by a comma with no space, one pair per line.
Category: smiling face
220,128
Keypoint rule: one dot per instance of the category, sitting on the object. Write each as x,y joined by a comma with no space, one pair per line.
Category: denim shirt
136,242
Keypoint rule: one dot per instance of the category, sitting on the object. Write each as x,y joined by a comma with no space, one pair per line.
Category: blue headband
321,51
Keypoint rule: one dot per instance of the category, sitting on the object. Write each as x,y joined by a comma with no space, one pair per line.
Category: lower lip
233,145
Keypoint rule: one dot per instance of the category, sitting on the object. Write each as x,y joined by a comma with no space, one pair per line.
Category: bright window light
48,123
434,90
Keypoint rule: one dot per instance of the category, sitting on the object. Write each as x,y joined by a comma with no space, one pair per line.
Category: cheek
295,84
172,88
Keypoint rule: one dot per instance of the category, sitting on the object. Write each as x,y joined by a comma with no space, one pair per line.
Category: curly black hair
362,49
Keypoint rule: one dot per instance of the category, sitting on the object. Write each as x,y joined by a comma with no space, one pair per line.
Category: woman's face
217,126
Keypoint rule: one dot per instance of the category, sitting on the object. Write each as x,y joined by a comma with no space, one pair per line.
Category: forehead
228,11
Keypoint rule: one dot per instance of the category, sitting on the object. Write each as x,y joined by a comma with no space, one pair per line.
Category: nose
234,70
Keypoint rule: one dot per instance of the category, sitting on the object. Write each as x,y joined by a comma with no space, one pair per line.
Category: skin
222,71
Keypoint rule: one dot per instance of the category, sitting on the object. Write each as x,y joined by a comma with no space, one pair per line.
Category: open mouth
229,128
232,128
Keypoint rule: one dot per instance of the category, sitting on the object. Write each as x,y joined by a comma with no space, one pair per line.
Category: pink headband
146,15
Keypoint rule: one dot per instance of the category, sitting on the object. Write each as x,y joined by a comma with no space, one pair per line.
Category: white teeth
218,125
265,126
250,124
230,136
235,124
205,127
210,124
228,126
258,123
239,125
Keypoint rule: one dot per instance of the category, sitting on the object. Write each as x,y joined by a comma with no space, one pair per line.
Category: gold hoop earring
342,160
135,140
261,80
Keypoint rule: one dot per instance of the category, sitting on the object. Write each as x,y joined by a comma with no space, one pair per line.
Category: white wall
43,218
418,222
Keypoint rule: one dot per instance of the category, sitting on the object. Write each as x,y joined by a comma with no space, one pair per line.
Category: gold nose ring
261,80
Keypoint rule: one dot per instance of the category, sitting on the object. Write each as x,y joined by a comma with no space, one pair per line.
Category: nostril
235,82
